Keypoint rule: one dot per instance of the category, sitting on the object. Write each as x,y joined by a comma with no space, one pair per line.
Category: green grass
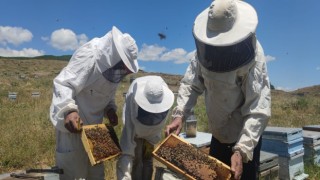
27,135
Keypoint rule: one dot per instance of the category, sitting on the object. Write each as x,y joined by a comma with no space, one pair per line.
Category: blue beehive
287,143
282,133
292,168
283,148
283,141
311,144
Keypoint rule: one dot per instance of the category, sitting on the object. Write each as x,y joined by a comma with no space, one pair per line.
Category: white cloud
45,38
25,52
269,58
14,35
175,54
66,39
158,53
287,89
151,52
82,38
186,58
142,68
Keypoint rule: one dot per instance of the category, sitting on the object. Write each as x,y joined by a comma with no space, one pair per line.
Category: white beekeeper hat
154,95
127,48
225,22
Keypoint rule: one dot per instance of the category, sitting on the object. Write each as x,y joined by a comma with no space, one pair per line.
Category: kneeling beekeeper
229,68
84,92
147,104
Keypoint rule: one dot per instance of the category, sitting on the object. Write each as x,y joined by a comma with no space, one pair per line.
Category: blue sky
288,31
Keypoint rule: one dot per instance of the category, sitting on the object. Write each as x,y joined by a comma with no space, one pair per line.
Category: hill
312,90
45,57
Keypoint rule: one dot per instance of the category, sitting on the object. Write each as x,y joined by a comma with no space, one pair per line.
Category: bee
103,145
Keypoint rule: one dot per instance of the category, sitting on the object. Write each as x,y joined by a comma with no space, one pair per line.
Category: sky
288,31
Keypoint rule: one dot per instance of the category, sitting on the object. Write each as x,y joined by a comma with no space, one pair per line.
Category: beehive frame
172,140
89,147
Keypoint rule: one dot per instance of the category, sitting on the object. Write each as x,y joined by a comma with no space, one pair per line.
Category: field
27,135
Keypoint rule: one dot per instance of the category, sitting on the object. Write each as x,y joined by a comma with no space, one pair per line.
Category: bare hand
175,126
113,117
73,123
236,165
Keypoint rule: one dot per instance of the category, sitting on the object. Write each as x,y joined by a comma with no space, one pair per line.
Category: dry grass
27,135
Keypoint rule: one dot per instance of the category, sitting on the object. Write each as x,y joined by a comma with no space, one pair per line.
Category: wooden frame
223,173
88,146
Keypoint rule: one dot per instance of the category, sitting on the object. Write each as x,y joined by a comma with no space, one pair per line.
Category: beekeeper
229,68
146,107
84,92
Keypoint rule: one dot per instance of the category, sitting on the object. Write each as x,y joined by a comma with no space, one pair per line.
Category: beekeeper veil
225,35
124,58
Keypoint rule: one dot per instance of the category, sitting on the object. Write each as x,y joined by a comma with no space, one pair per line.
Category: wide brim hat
244,24
126,48
154,95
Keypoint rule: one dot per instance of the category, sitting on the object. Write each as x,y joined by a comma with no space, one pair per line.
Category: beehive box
312,128
282,133
312,155
311,138
185,159
311,144
100,143
282,148
283,141
268,160
292,167
269,166
202,139
270,174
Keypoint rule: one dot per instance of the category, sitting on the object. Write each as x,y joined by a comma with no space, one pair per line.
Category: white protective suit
238,102
81,87
133,134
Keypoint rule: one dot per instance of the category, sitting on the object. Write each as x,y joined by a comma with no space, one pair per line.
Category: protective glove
72,122
236,165
112,116
175,126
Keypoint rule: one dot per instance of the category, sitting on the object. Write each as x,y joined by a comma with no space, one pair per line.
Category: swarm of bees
191,160
103,145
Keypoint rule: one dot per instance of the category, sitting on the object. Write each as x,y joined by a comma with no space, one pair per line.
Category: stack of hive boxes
311,144
269,166
287,143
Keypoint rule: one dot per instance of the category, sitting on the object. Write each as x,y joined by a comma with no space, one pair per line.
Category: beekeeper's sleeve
71,80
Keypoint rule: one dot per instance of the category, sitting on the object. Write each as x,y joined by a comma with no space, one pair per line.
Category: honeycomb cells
103,145
190,160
